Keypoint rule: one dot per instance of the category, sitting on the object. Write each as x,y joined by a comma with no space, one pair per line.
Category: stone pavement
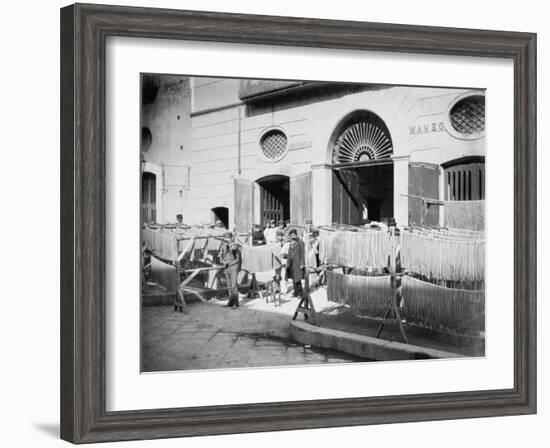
212,336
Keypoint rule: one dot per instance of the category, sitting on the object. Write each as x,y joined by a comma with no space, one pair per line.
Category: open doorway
274,198
362,166
148,197
221,214
363,193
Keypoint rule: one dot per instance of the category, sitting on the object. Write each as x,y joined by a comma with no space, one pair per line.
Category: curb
362,346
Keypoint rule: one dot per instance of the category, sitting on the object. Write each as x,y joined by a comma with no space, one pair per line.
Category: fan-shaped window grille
363,140
468,115
274,144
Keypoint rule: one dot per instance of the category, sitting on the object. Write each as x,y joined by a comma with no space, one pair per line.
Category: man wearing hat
296,262
231,259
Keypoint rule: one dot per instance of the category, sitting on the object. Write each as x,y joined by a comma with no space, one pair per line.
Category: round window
468,115
274,144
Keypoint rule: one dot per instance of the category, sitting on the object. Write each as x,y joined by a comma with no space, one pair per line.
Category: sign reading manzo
427,128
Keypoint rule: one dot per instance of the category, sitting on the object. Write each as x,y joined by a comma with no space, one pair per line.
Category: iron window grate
274,144
468,115
362,141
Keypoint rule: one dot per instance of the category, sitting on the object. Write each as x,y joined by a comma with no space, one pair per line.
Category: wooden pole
305,306
392,313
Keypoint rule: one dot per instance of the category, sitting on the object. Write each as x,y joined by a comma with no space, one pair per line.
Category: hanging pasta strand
162,243
437,307
454,257
367,249
368,294
444,255
166,242
164,274
261,258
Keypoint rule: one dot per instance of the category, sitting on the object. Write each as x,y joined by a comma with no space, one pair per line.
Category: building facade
246,151
165,146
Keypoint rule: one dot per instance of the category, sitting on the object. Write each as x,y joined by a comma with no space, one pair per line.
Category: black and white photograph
298,222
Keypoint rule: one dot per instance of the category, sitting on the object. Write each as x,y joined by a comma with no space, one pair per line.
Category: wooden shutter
423,181
300,198
345,200
244,205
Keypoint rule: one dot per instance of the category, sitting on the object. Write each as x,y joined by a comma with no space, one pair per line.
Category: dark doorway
274,198
148,197
376,188
464,179
362,164
362,193
221,214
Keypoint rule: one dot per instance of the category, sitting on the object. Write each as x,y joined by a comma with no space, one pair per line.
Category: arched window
363,138
465,179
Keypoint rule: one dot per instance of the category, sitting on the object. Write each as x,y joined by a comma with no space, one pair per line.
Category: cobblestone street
213,336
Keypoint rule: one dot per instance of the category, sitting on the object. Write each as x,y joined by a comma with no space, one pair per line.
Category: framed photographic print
275,223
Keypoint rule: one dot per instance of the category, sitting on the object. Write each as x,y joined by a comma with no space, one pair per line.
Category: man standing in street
296,262
231,259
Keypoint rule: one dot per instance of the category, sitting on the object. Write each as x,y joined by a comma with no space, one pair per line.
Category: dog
274,290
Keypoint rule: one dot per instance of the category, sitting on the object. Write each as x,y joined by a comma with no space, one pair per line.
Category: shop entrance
274,198
362,170
362,194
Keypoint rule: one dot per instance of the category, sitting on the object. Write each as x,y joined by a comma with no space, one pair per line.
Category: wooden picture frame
84,29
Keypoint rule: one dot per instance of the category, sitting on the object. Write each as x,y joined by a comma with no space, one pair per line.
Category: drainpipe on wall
239,140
